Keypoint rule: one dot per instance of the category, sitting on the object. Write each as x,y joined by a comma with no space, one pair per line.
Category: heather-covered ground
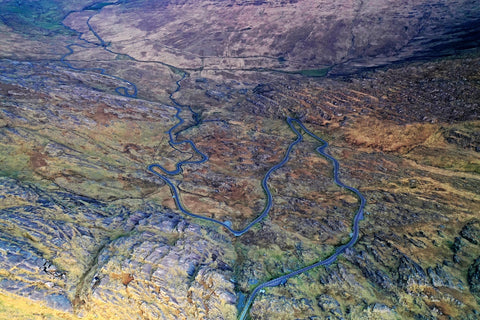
87,232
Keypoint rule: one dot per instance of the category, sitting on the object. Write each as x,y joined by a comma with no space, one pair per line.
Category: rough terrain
87,232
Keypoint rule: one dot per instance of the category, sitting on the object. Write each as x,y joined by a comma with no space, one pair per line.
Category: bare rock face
167,268
410,273
330,305
39,259
111,262
88,231
471,231
289,35
474,278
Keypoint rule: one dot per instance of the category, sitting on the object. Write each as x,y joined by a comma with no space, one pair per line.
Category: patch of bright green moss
472,167
14,162
308,72
315,72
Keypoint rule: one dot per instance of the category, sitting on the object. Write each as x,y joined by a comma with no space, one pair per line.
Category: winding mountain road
294,124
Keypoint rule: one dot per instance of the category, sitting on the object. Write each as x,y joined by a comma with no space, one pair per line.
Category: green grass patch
42,17
123,57
315,73
472,167
177,71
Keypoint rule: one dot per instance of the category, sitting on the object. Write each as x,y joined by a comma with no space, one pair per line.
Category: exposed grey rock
380,308
263,88
12,189
59,302
440,278
271,306
215,94
329,305
457,245
471,231
410,273
363,261
473,278
154,253
176,265
456,258
338,274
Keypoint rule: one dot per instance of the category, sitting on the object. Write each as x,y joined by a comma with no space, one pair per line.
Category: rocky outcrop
440,278
27,273
166,268
85,229
369,269
329,305
279,307
76,254
410,273
471,231
474,278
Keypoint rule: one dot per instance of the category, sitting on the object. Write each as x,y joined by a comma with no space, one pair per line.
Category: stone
471,231
473,278
410,273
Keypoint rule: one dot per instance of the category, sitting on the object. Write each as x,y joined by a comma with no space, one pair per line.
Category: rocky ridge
340,36
88,232
88,255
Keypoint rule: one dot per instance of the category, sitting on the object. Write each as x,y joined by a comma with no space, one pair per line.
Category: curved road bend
124,91
269,201
354,235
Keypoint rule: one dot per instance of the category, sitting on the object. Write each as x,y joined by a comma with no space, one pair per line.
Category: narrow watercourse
294,124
